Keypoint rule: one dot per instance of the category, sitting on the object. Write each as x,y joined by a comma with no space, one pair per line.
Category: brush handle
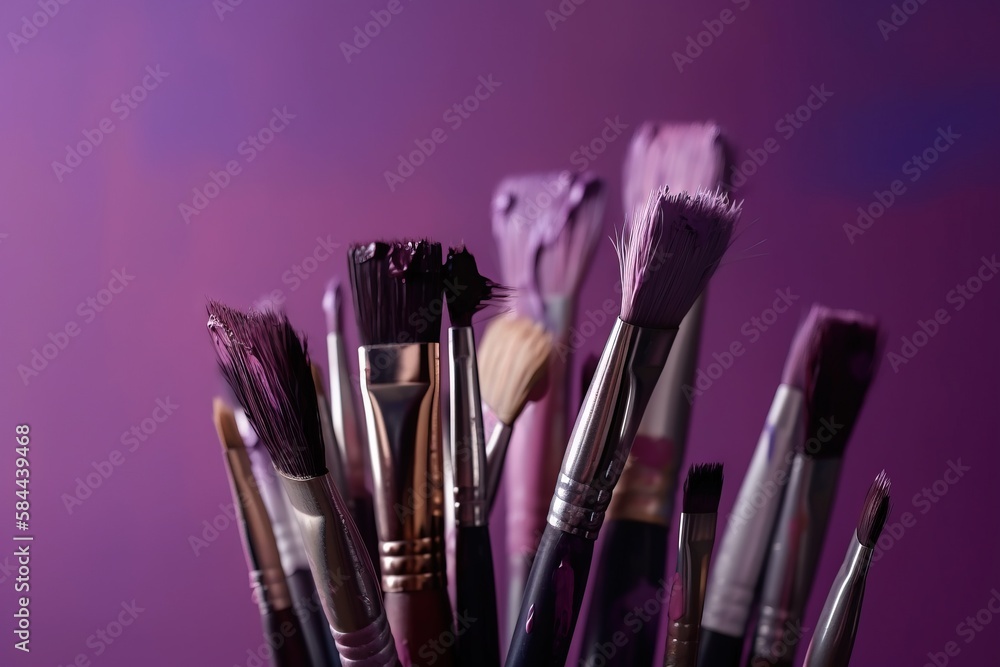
632,562
363,513
421,624
315,629
289,650
719,650
833,640
476,609
552,599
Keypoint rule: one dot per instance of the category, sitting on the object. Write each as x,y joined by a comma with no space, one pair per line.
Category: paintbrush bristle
397,289
875,512
466,290
332,306
668,253
513,361
267,366
703,489
225,425
833,361
684,157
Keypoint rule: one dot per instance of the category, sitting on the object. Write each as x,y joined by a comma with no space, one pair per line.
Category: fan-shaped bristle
513,359
333,306
703,489
467,291
397,291
668,253
875,512
267,366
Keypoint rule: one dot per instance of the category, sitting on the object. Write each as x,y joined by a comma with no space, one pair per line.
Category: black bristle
397,291
467,291
703,488
875,512
267,366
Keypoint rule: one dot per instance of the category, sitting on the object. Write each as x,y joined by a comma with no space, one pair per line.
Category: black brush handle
718,650
364,518
421,626
283,633
476,600
552,599
315,628
623,618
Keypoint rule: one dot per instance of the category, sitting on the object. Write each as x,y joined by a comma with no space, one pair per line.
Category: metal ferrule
606,426
496,453
286,531
370,647
345,579
399,387
696,536
267,579
468,444
795,551
833,639
346,430
745,542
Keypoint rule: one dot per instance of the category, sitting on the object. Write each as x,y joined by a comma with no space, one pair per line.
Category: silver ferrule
740,558
696,537
795,551
346,429
286,530
496,453
399,387
345,579
606,426
833,639
468,444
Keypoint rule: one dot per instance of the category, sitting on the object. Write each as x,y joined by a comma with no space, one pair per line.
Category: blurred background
118,117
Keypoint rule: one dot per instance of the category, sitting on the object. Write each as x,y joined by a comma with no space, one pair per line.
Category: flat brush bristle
225,425
466,290
875,512
513,361
332,305
833,362
668,253
703,488
397,291
267,366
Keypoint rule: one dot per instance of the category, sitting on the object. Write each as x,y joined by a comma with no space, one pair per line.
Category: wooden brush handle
421,626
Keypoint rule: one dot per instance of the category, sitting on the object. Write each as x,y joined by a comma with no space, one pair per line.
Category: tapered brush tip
225,425
668,252
513,363
875,512
466,290
332,304
703,488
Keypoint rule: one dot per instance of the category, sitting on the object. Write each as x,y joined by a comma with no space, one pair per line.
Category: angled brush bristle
668,253
833,361
397,291
875,512
513,361
332,306
703,488
267,366
467,291
225,425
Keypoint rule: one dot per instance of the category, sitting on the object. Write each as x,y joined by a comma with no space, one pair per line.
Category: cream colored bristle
225,425
513,358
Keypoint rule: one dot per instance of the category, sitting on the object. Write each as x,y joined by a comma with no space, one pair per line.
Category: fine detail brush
696,537
844,363
513,370
267,579
397,288
685,157
667,255
833,640
466,292
546,227
267,366
346,428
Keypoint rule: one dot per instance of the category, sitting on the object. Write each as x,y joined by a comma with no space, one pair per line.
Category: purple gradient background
324,176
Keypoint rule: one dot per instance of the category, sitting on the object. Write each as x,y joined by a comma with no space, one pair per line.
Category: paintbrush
267,366
667,255
330,446
267,579
397,288
513,370
350,437
466,293
685,157
696,537
833,640
546,228
844,363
